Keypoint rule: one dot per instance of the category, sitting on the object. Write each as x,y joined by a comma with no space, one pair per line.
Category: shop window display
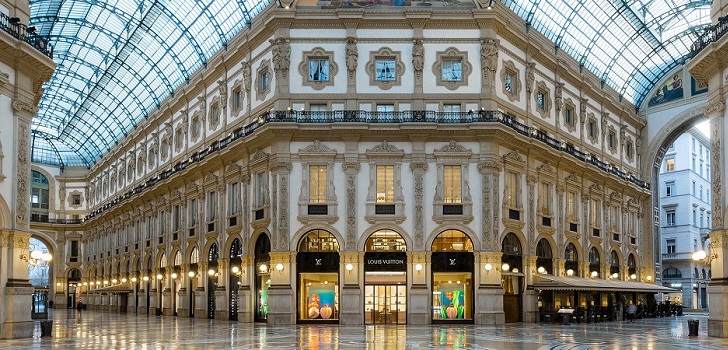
319,296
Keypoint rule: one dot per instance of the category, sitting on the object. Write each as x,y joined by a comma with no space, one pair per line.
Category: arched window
74,275
571,255
511,249
194,256
696,274
594,259
544,256
212,255
39,197
386,241
613,263
163,261
452,241
318,241
177,259
631,264
671,272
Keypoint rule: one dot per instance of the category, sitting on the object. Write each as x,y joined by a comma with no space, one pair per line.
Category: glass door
385,304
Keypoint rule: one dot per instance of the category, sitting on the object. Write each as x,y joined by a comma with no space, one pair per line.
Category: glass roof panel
117,60
630,44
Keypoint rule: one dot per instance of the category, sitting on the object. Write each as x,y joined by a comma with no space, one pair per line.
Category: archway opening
385,278
236,252
317,268
262,277
453,266
512,277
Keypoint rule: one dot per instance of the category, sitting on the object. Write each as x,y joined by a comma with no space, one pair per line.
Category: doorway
385,304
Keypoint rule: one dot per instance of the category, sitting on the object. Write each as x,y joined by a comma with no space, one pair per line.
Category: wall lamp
633,276
279,268
174,275
505,267
541,270
418,267
490,4
594,274
192,274
570,272
488,267
349,267
263,268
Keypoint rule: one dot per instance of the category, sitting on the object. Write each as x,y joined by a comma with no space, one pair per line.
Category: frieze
385,147
572,178
418,166
545,168
514,157
490,163
279,165
317,148
350,167
453,147
715,105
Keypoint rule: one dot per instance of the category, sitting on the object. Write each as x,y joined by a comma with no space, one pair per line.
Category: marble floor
100,330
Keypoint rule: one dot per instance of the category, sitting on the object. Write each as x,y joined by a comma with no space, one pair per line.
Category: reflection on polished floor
100,330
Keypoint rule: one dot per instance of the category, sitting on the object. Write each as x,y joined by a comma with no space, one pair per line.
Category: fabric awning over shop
117,288
550,282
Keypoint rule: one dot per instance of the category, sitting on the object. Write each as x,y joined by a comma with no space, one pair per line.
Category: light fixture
85,283
505,267
279,268
235,269
123,280
488,267
570,272
633,276
649,278
418,267
515,270
159,276
263,268
192,274
134,280
145,278
211,272
58,284
114,281
174,275
490,4
106,281
615,275
349,267
594,274
541,270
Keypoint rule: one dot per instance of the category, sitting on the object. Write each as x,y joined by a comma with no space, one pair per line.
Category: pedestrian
631,312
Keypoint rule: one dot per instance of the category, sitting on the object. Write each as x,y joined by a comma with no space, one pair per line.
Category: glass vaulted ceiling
117,61
629,44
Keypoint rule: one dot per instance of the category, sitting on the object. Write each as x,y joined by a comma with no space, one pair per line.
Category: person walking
631,312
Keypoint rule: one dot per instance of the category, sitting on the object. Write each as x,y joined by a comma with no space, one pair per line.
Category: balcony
676,256
20,31
710,35
45,219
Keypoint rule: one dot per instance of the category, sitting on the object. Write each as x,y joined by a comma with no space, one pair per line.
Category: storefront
512,278
236,251
385,279
452,278
262,277
317,269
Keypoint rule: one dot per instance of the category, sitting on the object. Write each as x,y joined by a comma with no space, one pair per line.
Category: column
489,292
420,296
246,296
351,305
222,299
281,303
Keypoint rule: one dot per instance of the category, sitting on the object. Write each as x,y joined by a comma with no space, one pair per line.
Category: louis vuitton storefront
317,266
452,278
385,279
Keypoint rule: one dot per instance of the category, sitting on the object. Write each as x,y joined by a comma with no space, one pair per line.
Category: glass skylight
629,44
117,61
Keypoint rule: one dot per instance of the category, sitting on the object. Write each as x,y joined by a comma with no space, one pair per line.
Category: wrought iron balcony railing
20,31
710,35
366,117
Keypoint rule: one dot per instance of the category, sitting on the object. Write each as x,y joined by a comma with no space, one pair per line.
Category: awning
550,282
117,288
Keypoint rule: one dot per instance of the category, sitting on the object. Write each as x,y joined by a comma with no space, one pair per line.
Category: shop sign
451,261
389,261
317,262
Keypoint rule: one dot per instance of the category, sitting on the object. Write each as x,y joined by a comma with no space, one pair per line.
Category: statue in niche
489,59
281,54
418,55
246,76
352,55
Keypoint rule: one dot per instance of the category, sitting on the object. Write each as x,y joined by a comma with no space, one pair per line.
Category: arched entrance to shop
236,253
512,278
317,271
212,275
385,278
74,288
193,275
262,277
453,266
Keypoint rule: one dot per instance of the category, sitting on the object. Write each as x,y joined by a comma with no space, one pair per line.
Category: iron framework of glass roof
629,44
117,61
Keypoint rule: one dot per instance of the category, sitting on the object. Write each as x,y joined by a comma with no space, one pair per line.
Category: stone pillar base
183,312
280,307
200,313
530,306
718,317
718,328
245,307
15,330
131,309
142,310
351,306
167,312
419,305
489,306
222,315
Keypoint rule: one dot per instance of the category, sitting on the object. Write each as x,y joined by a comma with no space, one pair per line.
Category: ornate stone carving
545,168
247,77
283,213
23,177
513,156
281,48
490,164
716,172
489,48
352,56
385,147
317,148
23,106
385,54
318,81
715,105
418,56
582,110
559,97
572,178
351,207
453,147
530,77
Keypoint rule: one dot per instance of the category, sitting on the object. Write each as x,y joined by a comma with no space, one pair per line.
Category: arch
385,241
455,226
236,249
188,252
161,259
49,242
574,250
229,242
73,274
298,236
213,253
465,246
519,234
631,263
136,264
193,256
254,239
671,272
51,184
311,242
5,213
614,258
206,249
595,256
361,245
543,249
177,258
511,245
